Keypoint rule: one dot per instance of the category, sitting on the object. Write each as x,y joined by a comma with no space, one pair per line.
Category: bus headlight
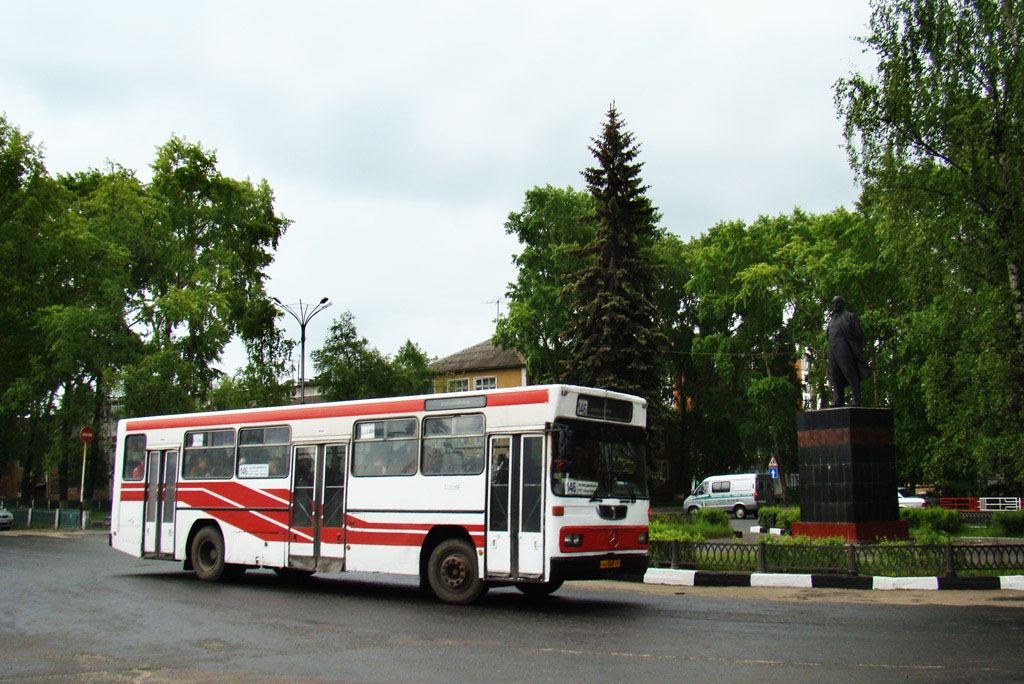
642,538
572,540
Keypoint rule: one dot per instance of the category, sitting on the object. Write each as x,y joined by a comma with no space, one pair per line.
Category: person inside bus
138,471
200,467
303,473
276,464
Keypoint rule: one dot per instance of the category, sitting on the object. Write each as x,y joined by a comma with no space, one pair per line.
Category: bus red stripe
314,411
280,415
241,495
539,396
356,523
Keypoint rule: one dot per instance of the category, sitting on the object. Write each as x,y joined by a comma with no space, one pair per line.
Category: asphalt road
72,610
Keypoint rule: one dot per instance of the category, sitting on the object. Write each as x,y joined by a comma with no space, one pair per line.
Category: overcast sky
398,136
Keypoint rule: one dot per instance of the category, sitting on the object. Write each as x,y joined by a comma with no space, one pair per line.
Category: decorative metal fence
52,517
851,559
1000,503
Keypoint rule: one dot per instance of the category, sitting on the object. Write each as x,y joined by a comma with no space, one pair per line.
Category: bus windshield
597,460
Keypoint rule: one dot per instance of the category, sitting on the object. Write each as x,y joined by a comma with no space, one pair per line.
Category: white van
739,494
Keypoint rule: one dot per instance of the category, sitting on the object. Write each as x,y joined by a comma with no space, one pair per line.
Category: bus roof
512,396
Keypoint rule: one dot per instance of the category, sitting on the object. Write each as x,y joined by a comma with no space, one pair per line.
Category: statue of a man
846,364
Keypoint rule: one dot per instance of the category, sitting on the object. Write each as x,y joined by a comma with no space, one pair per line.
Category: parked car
738,494
911,501
6,519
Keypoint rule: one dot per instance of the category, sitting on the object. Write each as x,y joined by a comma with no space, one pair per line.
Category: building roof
483,356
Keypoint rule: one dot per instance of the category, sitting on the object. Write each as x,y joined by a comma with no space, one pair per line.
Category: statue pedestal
848,475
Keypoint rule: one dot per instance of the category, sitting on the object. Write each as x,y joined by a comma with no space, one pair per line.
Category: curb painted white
778,579
669,576
894,583
1012,582
784,580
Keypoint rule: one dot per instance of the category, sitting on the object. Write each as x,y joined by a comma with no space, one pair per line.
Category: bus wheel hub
453,572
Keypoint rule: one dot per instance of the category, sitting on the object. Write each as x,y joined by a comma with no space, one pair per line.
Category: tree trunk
1013,271
93,466
64,466
28,461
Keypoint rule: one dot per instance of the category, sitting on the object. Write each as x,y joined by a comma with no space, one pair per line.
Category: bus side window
134,458
385,447
453,445
263,451
208,455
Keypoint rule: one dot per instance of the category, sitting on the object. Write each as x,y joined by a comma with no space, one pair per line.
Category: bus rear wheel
740,511
453,574
208,554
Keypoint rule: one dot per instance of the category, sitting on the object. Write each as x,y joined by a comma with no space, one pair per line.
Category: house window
458,385
485,383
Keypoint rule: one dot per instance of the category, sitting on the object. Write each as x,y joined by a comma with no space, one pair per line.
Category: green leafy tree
410,372
938,136
205,249
551,227
33,278
614,336
348,367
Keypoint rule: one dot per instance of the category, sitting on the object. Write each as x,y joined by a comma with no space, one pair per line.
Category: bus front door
158,526
515,508
316,539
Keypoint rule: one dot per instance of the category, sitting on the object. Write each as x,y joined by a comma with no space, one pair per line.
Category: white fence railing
999,503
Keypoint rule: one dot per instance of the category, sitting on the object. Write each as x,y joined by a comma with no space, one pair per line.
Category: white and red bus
528,486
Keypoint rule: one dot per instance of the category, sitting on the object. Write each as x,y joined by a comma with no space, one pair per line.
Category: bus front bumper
607,566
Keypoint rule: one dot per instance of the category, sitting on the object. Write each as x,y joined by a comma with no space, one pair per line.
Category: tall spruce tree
614,336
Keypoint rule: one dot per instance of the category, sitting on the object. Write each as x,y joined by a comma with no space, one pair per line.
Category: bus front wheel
208,554
452,572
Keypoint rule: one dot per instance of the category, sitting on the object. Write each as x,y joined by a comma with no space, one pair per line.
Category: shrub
1009,523
706,524
665,526
787,517
931,537
773,516
934,519
781,540
710,516
768,516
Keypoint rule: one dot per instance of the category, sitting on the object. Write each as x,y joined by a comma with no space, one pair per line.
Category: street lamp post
302,313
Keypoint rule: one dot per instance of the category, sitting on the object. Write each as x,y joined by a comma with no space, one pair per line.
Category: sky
398,136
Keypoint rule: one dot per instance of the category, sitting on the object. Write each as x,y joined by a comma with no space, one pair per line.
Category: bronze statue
846,364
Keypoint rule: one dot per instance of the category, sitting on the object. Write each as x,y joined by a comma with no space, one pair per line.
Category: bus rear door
158,526
515,519
317,525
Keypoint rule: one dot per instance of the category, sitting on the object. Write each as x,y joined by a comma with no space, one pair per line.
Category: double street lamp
302,313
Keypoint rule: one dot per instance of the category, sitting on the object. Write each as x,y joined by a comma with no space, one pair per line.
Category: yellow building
482,366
